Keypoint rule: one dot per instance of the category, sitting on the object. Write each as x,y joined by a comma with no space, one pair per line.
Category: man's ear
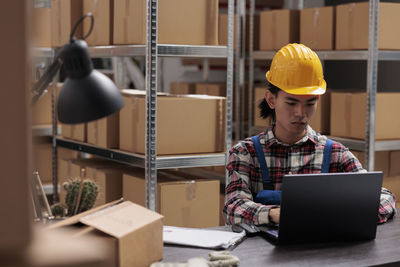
270,98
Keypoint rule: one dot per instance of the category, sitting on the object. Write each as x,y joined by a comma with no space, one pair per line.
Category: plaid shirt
305,156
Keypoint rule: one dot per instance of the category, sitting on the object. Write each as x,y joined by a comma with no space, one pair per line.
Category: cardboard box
76,132
42,158
394,163
109,182
259,95
185,203
104,132
278,28
41,111
52,25
215,89
60,22
382,160
223,31
67,169
133,233
103,12
348,115
41,27
107,175
352,22
320,122
53,248
207,173
182,88
317,27
185,124
193,22
269,3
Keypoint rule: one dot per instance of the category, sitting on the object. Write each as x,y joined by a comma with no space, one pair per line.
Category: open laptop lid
329,207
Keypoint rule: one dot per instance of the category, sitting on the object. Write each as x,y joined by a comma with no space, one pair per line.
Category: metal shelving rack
372,55
153,51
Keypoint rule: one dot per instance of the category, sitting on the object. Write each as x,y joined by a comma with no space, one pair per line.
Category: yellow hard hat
297,70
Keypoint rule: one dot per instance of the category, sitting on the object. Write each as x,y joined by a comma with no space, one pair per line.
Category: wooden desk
257,251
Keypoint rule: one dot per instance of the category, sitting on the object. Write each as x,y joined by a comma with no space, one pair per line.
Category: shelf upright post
238,68
251,66
54,127
151,104
229,83
372,70
293,4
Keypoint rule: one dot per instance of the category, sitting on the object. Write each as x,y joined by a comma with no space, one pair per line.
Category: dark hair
265,110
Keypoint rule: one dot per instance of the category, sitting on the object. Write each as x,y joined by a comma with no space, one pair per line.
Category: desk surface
257,251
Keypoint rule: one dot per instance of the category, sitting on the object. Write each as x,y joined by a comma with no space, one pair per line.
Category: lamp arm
40,86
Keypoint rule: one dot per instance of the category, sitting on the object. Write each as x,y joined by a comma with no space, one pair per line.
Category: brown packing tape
350,32
347,113
96,132
134,123
274,30
220,130
126,21
56,9
314,29
111,35
212,18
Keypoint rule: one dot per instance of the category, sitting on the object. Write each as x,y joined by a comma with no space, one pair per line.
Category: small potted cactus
81,196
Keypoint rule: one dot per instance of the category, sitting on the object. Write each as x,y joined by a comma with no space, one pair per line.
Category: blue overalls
269,196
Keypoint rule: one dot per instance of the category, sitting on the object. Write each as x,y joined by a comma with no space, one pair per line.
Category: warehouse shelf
152,51
355,144
371,55
44,130
48,189
43,52
163,50
337,55
138,160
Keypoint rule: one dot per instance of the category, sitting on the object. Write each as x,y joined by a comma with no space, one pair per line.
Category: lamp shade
89,98
87,94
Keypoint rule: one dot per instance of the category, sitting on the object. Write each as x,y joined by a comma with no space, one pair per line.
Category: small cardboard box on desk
133,233
184,202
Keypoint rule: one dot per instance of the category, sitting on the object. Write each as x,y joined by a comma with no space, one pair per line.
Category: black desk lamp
87,94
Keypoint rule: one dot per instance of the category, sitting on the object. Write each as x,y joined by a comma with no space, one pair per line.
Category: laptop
327,207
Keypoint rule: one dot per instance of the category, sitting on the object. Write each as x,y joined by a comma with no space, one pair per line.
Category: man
289,146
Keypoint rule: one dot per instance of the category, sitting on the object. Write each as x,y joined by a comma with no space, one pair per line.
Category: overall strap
327,156
267,182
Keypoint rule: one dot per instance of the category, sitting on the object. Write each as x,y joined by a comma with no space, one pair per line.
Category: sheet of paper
204,238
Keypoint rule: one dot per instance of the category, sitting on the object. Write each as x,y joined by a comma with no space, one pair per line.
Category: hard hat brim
311,90
307,90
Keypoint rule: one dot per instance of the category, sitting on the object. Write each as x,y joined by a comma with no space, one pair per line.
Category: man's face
293,112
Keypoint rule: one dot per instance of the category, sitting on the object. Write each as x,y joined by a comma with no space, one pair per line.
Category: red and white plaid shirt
305,156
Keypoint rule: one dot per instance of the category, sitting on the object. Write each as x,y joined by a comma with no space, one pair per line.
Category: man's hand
274,214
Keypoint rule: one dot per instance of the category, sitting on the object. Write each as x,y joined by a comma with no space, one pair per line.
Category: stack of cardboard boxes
124,22
343,27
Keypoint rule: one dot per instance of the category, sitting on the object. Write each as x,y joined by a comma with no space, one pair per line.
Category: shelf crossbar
138,160
387,55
